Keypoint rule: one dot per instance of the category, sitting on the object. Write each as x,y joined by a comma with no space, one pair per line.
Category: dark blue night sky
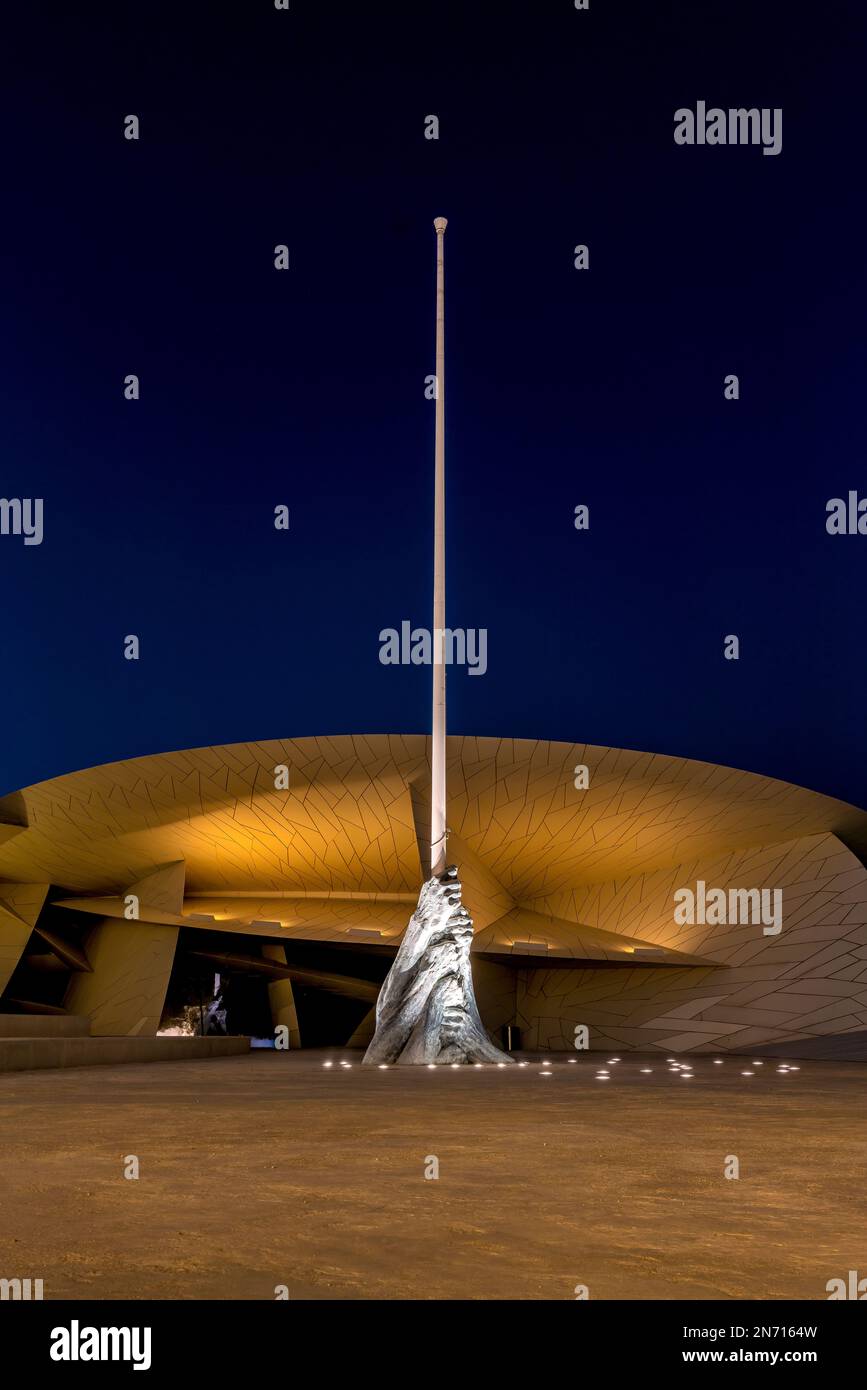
307,387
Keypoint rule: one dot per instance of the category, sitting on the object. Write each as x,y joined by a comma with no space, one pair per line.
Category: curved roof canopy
334,846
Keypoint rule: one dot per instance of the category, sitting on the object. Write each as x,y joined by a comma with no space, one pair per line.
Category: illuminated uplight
645,1071
328,1064
747,1073
717,1061
431,1066
383,1066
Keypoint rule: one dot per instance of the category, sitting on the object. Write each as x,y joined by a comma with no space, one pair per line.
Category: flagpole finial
440,224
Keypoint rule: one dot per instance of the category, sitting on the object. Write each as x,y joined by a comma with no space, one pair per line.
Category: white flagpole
438,748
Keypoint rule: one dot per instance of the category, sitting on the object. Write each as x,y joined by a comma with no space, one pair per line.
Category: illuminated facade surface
122,885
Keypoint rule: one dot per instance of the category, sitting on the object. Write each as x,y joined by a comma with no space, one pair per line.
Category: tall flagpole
426,1012
438,749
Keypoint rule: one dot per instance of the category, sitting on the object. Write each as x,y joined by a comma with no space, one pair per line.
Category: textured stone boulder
426,1011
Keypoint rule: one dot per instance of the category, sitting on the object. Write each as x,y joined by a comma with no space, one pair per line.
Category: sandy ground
273,1169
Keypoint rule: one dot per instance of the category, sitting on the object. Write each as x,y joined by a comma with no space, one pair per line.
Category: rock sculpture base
426,1011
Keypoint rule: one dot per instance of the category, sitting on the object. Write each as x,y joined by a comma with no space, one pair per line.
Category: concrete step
34,1054
44,1026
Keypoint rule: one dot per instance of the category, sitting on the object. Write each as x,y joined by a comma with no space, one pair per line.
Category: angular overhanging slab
159,898
116,907
380,920
348,917
162,890
526,937
486,899
20,906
